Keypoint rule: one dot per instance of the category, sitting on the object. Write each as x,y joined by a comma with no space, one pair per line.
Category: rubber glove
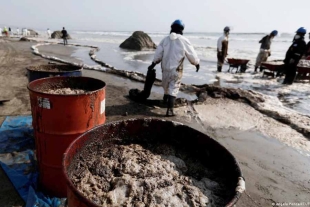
152,66
197,67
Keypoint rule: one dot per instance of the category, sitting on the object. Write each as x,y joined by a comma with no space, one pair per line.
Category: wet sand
266,149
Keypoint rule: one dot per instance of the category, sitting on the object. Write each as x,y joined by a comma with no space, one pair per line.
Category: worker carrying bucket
171,52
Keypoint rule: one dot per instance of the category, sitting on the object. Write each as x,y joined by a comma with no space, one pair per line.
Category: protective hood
174,36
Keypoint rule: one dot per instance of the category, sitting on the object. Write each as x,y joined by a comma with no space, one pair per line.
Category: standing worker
293,55
307,53
171,52
25,32
264,51
64,35
5,30
222,49
10,31
48,33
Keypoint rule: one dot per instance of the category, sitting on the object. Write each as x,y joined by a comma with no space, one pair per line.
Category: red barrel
205,149
58,119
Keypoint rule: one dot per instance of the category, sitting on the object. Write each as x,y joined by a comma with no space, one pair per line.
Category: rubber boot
165,98
219,68
170,105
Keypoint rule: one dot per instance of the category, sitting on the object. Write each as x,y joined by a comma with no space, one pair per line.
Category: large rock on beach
32,32
58,35
138,41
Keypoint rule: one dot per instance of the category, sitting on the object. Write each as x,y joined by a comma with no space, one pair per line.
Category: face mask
297,37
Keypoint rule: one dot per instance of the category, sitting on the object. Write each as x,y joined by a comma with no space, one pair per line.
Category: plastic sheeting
17,159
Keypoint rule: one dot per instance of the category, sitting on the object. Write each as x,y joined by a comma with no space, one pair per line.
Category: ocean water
241,45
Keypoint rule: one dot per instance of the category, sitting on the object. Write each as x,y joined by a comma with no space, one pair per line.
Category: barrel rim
81,197
63,77
40,71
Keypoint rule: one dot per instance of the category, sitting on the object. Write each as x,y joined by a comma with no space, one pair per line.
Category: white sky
157,15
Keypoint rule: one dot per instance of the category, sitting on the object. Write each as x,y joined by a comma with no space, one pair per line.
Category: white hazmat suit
171,53
48,33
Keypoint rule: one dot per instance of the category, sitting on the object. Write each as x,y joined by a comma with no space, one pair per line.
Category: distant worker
10,31
6,32
17,31
293,55
264,51
64,35
0,32
48,33
222,49
171,52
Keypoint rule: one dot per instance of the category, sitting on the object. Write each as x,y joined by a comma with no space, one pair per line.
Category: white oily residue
304,63
65,91
144,179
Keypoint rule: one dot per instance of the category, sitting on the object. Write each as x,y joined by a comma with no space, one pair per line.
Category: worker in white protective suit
25,31
171,52
49,33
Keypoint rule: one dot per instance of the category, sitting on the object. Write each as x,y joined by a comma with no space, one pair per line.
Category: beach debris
24,39
3,101
213,91
138,41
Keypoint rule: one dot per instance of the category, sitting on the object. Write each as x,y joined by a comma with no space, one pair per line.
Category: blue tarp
17,159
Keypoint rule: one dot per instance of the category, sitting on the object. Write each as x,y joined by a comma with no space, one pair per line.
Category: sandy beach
271,154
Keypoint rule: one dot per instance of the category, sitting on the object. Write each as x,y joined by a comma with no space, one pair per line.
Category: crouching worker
264,51
171,52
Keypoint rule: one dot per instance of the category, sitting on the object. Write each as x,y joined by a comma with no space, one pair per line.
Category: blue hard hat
301,30
178,22
274,33
226,29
